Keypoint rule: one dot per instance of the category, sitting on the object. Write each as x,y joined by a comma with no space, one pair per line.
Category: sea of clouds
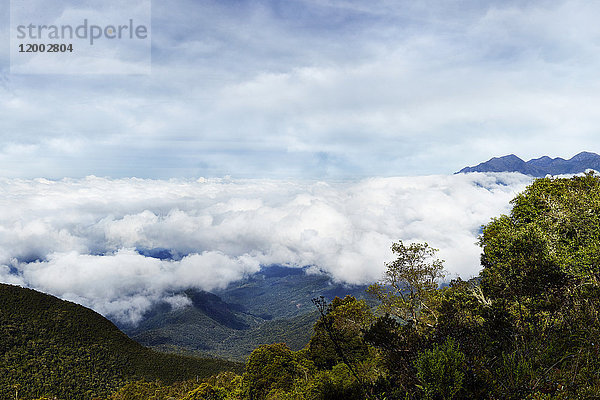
96,241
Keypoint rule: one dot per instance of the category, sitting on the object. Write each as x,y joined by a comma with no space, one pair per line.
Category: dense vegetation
527,328
271,306
53,347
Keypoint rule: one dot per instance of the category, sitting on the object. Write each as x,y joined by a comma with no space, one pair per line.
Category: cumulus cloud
120,246
124,284
318,89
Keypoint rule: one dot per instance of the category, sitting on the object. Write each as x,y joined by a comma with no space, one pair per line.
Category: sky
315,89
299,132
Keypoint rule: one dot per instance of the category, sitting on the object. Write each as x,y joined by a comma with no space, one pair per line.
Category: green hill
272,306
51,347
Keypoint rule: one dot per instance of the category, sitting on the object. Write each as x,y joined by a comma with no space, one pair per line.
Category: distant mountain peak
539,167
584,156
511,157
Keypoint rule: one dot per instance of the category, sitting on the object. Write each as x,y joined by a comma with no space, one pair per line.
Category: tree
206,391
408,289
335,384
542,261
550,240
408,296
545,255
398,345
269,367
338,339
338,333
441,370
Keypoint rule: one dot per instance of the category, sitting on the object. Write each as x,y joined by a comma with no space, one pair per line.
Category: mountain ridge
539,167
56,348
273,305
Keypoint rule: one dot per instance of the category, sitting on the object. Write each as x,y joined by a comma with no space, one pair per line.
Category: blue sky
317,89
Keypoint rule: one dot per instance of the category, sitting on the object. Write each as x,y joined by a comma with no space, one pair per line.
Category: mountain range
271,306
539,167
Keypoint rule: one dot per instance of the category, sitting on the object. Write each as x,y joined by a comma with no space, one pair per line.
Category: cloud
121,245
303,89
318,89
125,284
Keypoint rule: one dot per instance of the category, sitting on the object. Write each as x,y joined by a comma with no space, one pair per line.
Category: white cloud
319,89
125,284
89,240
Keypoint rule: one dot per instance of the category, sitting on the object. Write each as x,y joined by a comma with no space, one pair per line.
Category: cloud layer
119,246
319,89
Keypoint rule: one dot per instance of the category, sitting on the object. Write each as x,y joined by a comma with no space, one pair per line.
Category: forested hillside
57,348
526,328
271,306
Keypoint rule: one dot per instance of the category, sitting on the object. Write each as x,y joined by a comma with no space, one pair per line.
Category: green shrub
440,370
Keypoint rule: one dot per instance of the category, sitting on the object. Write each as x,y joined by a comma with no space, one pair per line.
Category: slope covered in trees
271,306
57,348
526,328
